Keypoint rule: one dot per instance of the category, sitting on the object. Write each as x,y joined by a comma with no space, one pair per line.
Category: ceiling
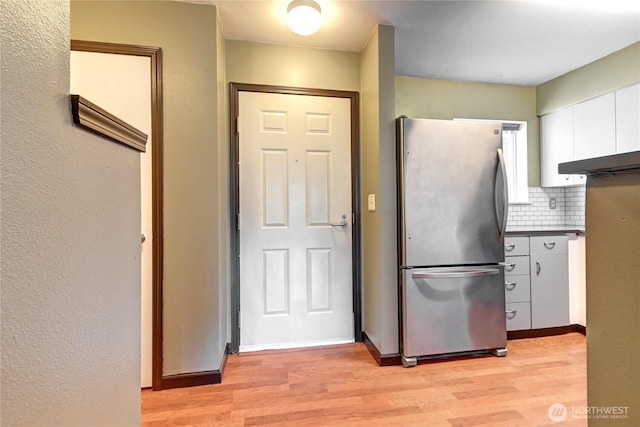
509,41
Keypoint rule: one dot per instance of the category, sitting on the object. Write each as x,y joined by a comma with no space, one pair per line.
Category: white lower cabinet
517,288
516,265
515,246
516,283
518,316
536,282
549,281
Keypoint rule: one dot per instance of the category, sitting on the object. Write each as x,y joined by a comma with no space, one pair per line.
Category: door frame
234,159
157,143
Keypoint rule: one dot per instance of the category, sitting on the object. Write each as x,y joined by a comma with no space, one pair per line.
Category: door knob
342,223
142,238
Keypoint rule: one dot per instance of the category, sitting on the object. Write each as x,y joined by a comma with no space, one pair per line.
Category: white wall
70,240
577,281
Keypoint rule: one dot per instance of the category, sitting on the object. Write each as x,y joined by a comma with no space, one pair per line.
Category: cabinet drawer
518,316
517,288
516,246
549,245
516,265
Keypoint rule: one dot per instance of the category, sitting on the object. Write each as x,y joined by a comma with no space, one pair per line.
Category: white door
295,182
121,84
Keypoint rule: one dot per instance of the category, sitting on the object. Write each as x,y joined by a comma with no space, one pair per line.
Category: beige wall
613,295
369,159
70,242
224,267
620,69
379,177
194,261
269,64
443,99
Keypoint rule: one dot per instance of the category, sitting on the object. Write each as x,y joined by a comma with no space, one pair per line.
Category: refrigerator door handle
453,274
504,209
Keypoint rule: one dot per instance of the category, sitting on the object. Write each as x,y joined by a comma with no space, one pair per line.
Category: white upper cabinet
556,146
628,119
594,127
602,126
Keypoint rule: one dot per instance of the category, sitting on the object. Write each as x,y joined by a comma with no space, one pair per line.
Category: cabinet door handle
511,313
538,268
509,266
549,245
509,247
510,286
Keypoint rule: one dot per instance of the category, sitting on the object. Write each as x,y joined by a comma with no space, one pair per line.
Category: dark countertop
607,164
544,230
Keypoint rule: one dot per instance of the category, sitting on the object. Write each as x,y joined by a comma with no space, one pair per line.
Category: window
514,147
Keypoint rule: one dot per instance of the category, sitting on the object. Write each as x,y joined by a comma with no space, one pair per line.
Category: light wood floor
342,385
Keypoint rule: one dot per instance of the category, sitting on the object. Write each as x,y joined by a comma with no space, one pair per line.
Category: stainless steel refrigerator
452,215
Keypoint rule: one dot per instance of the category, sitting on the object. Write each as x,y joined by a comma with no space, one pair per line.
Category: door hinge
238,124
238,221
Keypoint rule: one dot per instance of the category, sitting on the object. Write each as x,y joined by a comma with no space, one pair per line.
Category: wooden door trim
234,157
157,143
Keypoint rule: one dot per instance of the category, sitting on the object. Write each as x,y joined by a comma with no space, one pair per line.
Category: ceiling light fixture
303,17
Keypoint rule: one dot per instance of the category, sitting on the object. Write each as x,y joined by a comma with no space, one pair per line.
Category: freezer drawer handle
509,247
511,314
549,245
455,274
510,286
538,268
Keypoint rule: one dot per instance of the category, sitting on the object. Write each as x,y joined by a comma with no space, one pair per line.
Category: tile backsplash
574,205
569,208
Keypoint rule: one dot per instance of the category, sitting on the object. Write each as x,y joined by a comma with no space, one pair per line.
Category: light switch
371,201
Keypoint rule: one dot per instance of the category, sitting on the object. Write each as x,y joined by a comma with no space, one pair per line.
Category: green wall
378,176
270,64
620,69
443,99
